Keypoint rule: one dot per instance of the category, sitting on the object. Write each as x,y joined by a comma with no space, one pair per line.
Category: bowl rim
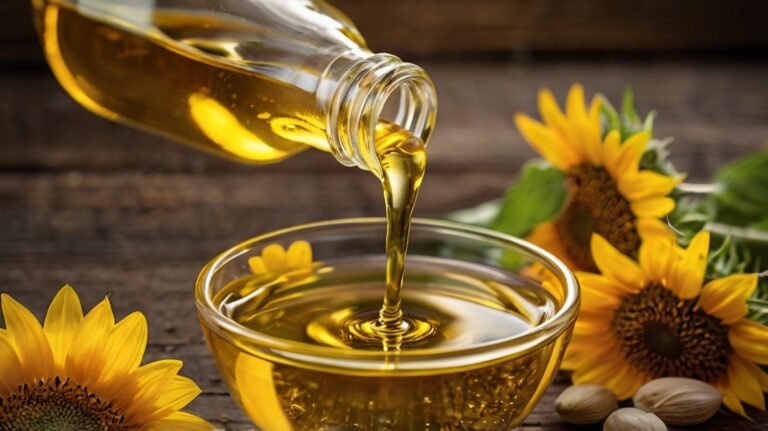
418,359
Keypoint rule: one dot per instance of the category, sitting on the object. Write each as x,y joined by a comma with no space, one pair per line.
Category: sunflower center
56,405
596,206
662,335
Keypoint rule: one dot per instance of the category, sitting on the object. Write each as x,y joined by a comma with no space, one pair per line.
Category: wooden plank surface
428,27
113,211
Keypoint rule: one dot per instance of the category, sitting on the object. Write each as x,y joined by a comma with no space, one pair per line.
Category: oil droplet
264,116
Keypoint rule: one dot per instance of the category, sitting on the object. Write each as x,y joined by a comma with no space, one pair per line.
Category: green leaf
538,196
761,224
758,310
743,191
628,107
611,118
648,123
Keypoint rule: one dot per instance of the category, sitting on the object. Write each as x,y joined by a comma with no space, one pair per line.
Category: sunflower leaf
648,123
610,116
538,196
656,157
742,199
628,107
758,310
627,122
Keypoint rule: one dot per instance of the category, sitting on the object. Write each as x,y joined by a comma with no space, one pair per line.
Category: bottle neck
353,91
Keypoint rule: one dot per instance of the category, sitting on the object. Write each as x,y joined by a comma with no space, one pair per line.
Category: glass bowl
291,381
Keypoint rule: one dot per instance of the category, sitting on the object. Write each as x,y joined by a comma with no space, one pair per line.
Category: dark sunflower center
662,335
596,206
58,406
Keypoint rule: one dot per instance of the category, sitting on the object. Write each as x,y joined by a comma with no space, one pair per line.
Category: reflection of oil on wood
452,26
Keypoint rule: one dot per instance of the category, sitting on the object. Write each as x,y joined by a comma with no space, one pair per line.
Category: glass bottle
252,80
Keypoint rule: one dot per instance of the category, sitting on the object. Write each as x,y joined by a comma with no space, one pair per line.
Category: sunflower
610,195
78,373
652,318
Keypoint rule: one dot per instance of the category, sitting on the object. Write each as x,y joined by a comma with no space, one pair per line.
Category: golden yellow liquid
448,305
181,75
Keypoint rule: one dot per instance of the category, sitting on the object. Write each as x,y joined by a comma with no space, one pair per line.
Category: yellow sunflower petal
574,102
545,236
730,400
274,257
571,360
180,392
61,322
29,339
646,184
653,207
598,292
180,421
750,340
599,371
605,373
256,263
552,115
587,345
654,229
152,381
582,354
625,382
86,363
688,273
585,326
11,372
299,254
760,376
593,143
630,153
547,143
726,298
126,345
657,258
582,139
615,265
600,282
612,153
743,384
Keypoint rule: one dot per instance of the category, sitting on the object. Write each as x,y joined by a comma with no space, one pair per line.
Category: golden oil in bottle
205,79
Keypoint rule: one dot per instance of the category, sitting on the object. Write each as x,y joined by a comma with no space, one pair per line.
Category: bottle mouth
356,107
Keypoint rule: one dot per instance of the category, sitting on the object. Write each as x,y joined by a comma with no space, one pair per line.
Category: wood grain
115,212
430,27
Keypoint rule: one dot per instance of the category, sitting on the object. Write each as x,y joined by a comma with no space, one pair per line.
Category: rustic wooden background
116,212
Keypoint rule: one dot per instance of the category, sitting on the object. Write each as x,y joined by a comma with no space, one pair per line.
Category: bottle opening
372,89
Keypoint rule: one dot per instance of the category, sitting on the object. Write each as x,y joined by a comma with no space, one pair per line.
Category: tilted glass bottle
252,80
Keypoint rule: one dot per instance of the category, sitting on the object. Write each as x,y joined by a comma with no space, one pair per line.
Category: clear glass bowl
284,384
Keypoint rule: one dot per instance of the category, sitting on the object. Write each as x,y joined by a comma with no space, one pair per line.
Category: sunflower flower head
655,316
609,193
83,373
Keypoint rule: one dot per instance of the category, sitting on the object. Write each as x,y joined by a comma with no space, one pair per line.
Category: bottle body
248,80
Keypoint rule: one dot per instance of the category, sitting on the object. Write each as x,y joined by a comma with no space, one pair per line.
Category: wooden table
115,212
